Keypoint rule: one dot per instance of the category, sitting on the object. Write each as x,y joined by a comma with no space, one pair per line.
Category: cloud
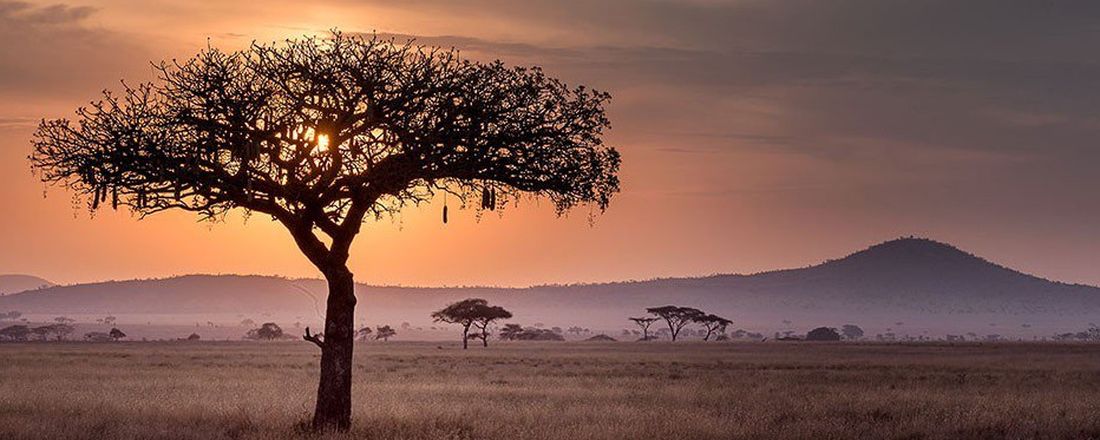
49,52
924,72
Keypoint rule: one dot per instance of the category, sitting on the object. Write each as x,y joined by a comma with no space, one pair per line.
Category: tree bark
333,411
465,338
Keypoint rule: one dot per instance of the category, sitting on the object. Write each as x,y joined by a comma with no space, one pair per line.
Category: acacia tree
510,332
364,333
712,324
384,332
644,322
322,134
472,312
487,315
676,317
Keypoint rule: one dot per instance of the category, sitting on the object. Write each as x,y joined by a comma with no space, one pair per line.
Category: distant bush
601,338
97,337
851,332
15,333
512,332
194,337
823,334
269,331
117,334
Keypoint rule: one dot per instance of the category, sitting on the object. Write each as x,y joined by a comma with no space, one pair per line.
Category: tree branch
314,339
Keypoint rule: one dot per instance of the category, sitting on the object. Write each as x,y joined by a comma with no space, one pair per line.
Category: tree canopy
676,317
474,312
712,324
320,133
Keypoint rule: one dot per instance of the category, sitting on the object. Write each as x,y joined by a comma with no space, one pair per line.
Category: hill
18,283
905,284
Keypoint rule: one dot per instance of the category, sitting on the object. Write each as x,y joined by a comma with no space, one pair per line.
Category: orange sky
755,135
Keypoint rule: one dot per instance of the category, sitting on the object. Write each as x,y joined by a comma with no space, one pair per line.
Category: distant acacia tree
116,334
268,331
823,334
384,333
363,334
511,332
712,324
322,134
487,316
851,331
676,317
644,323
12,315
472,312
63,320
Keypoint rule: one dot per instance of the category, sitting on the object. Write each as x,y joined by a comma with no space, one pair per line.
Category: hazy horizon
573,283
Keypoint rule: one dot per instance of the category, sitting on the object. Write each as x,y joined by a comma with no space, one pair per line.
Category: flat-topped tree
713,324
472,312
323,133
644,323
676,317
487,316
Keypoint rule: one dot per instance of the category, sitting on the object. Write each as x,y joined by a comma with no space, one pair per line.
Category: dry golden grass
556,391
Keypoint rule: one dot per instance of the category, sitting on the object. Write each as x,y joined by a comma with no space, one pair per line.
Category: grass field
556,391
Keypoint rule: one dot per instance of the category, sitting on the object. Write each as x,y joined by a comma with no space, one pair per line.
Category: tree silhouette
676,317
644,322
851,331
487,316
321,134
712,324
15,333
384,332
116,334
510,332
269,331
363,334
472,312
823,334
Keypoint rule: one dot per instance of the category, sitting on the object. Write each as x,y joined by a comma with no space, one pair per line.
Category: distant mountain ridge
908,278
16,283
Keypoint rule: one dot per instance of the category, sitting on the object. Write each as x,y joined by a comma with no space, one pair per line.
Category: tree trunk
333,411
485,339
465,338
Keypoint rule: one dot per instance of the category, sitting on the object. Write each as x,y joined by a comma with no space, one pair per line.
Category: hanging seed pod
95,200
114,198
485,198
444,214
492,199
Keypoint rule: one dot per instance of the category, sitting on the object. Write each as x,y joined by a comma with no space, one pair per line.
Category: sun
322,142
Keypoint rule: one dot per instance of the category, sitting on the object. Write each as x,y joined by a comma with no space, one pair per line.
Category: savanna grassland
408,390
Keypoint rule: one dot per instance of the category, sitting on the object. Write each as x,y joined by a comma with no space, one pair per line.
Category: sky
755,135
